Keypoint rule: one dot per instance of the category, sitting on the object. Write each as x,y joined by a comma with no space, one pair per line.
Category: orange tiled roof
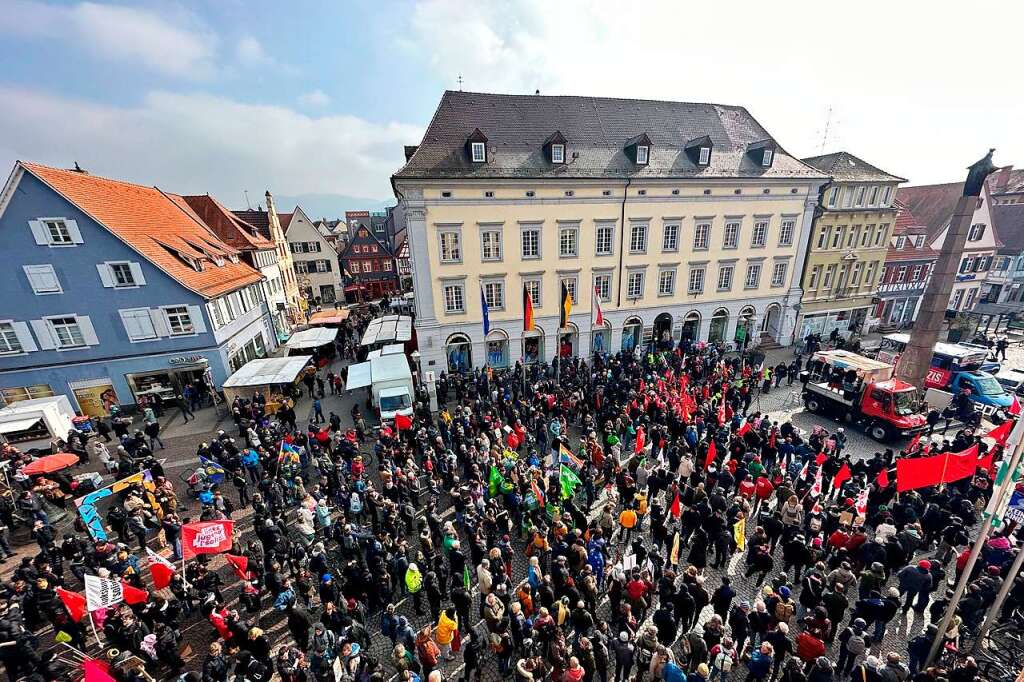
157,225
226,225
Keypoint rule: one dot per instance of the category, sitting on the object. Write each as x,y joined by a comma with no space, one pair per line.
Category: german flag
528,325
565,308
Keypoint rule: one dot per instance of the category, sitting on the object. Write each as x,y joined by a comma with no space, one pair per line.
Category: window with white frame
138,323
67,332
670,237
760,235
901,242
642,153
367,266
387,266
812,281
826,281
58,232
568,241
9,341
490,245
851,241
603,287
43,279
494,294
731,238
919,241
873,195
833,197
530,242
705,156
766,160
837,236
786,229
855,276
122,274
532,287
454,298
915,275
558,153
323,266
695,285
570,286
823,236
779,274
869,274
976,232
886,195
701,236
881,234
638,238
901,274
666,282
604,235
860,197
725,277
451,250
753,278
479,152
865,238
635,284
847,200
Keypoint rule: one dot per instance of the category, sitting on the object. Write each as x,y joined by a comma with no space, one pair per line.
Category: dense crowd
632,520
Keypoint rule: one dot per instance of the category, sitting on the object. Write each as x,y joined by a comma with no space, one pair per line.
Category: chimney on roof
537,91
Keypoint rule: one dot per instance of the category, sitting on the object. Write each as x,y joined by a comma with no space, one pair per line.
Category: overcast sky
318,98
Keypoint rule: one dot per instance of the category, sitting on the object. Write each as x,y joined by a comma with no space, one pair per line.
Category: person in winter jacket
623,650
444,631
853,643
760,663
915,581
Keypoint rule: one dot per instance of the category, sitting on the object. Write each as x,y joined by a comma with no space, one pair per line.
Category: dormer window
638,149
558,153
479,150
642,153
766,160
762,152
699,150
554,147
705,156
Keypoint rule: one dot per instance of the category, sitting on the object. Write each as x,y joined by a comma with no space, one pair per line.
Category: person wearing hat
915,581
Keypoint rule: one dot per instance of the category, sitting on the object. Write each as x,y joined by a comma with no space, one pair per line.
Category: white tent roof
18,424
311,338
359,376
268,371
388,329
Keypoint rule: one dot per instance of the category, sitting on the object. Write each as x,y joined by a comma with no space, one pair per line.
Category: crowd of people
632,521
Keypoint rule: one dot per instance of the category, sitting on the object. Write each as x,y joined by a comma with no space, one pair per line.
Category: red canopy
50,463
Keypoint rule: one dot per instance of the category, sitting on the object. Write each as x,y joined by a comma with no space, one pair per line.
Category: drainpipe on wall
622,241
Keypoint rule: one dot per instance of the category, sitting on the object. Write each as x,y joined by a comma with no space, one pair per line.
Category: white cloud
176,45
316,98
250,52
194,143
902,98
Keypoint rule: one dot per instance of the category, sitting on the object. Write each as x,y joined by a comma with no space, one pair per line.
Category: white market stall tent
311,338
35,422
265,375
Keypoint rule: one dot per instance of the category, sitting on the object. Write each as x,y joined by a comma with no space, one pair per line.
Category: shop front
95,397
164,384
846,322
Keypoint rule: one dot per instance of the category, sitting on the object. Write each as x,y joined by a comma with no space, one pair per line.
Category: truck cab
986,392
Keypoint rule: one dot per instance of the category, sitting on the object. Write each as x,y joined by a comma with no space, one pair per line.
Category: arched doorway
719,325
459,350
743,326
663,331
533,346
691,327
497,349
601,339
632,334
568,341
770,323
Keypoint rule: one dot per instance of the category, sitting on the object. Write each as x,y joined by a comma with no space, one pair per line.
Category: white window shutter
76,234
137,273
160,323
198,321
131,324
39,232
44,334
88,332
105,275
28,344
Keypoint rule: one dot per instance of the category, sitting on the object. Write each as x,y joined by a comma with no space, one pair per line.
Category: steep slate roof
932,205
259,219
226,225
596,130
1009,225
1007,180
155,224
845,167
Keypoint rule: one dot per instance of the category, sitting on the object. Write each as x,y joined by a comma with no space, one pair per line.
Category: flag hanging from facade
487,311
206,537
565,307
101,593
161,569
598,315
528,321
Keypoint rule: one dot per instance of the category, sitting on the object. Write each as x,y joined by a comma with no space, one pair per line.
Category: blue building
114,291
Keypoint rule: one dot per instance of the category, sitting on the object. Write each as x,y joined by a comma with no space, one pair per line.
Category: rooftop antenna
247,204
824,136
460,82
537,91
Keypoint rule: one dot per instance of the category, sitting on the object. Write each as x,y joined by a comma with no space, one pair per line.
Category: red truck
859,390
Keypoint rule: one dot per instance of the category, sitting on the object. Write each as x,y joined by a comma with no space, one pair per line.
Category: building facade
908,271
314,259
933,206
118,291
847,247
686,220
1005,281
269,226
368,266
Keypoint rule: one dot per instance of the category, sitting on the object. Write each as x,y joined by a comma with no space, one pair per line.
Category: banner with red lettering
207,537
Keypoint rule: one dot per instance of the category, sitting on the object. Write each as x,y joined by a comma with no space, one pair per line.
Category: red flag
240,564
641,438
1014,407
771,439
960,465
96,671
820,459
918,472
883,478
709,460
721,412
676,509
842,476
1001,432
913,443
987,463
133,595
403,422
74,603
207,537
744,428
161,569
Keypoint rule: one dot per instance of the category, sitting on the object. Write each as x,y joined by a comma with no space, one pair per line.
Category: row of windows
841,278
839,237
979,264
530,193
494,290
859,196
905,273
492,248
917,241
369,266
228,308
365,248
113,274
305,247
303,267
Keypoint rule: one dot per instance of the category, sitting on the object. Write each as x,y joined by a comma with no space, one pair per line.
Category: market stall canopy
50,463
311,338
359,376
388,329
55,412
265,371
328,317
17,425
393,349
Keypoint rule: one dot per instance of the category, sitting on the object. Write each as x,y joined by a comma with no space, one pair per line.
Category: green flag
494,481
465,576
569,480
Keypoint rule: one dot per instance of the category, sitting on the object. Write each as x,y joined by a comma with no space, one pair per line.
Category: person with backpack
853,642
427,651
759,664
723,659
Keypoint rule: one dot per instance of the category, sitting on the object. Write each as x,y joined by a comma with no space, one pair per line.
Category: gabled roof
285,219
845,167
908,226
370,238
1009,225
933,205
600,128
1006,180
258,218
156,224
226,225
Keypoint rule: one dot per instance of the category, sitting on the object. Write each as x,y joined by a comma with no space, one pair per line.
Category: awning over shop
18,424
311,338
265,371
359,376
